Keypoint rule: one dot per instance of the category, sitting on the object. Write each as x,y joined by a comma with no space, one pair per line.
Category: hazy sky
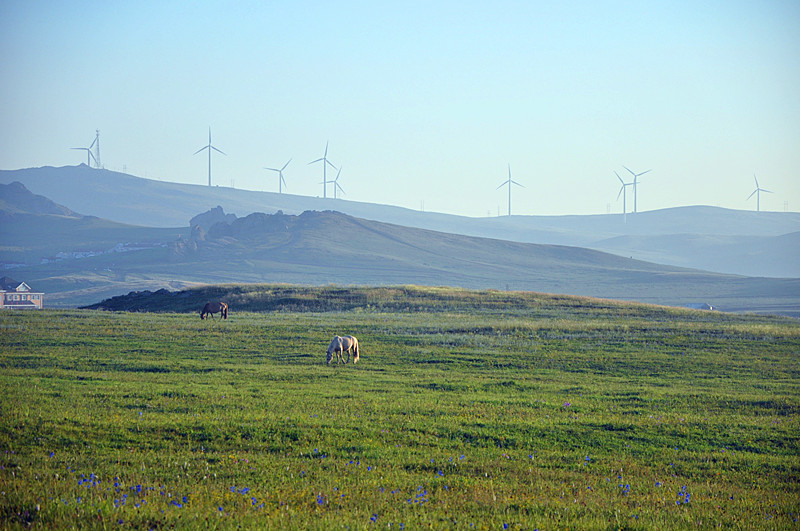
422,102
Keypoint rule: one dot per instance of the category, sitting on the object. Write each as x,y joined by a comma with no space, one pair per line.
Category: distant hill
319,246
700,237
16,199
323,248
35,230
769,256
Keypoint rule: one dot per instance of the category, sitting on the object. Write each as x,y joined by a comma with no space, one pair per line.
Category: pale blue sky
421,101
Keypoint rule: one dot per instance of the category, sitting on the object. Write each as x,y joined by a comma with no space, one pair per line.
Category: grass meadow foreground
564,413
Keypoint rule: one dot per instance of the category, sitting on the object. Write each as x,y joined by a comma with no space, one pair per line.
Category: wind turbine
325,163
336,183
624,194
509,182
757,193
281,180
635,177
209,147
92,156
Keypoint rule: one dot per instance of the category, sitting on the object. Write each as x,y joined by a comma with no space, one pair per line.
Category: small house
19,295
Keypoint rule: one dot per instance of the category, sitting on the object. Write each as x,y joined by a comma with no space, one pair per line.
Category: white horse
340,345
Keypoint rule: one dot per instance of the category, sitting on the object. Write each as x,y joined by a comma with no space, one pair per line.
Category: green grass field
475,411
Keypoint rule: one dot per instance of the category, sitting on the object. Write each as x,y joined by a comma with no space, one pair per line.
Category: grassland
468,410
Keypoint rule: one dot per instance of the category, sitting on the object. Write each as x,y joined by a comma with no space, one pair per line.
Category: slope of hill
35,230
769,256
138,201
319,248
389,299
16,199
352,250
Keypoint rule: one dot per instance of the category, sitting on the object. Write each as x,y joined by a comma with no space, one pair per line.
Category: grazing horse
340,345
214,307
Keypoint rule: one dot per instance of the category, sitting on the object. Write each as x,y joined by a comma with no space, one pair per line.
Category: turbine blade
313,161
763,190
218,151
622,188
643,172
751,195
271,169
627,168
201,149
502,185
284,166
620,178
331,163
754,177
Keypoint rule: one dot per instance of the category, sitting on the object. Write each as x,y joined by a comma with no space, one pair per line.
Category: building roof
9,284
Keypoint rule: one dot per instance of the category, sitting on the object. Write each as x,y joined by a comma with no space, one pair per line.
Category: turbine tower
509,182
281,180
96,145
209,147
635,177
93,156
325,163
624,194
336,183
757,193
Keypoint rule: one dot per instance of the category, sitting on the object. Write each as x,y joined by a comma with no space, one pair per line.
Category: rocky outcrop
208,219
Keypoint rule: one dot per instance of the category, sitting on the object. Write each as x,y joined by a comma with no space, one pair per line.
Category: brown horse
214,307
340,345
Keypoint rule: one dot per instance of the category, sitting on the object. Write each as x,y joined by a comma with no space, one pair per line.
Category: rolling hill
700,237
767,256
16,199
99,259
36,230
331,247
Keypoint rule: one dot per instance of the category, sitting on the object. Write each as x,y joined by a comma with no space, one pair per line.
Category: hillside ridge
401,298
714,237
15,198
